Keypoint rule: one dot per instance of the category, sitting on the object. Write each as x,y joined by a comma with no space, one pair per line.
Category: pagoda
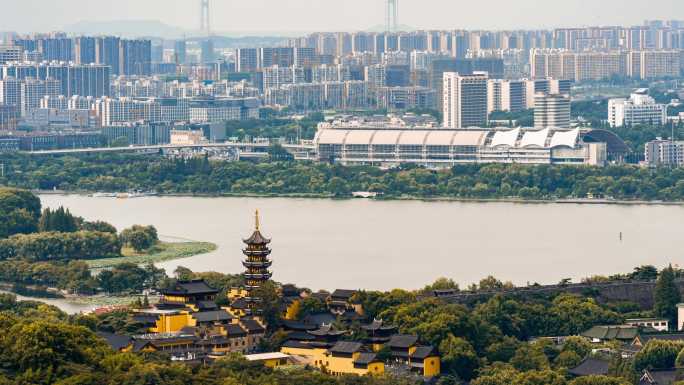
257,264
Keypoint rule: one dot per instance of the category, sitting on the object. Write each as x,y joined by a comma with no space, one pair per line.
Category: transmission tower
205,18
392,17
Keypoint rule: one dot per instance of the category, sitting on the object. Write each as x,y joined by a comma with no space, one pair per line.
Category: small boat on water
365,194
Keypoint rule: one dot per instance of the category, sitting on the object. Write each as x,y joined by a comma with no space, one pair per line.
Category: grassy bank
163,252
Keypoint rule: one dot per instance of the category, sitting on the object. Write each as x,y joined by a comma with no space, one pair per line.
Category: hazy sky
327,15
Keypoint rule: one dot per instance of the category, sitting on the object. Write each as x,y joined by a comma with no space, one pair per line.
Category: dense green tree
658,354
666,295
458,357
442,284
529,357
646,272
59,220
19,210
140,238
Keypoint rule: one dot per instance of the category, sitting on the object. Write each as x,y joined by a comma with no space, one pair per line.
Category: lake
367,244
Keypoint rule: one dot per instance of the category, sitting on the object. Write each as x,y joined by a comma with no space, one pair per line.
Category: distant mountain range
126,28
159,30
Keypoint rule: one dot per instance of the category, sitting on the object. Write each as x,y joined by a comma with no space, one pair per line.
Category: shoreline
566,201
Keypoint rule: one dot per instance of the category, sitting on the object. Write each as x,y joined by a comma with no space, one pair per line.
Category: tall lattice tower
392,17
205,17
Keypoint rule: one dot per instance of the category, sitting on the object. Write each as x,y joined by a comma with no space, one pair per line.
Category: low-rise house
660,377
659,324
255,331
621,333
379,333
642,339
590,367
422,359
340,302
271,360
347,357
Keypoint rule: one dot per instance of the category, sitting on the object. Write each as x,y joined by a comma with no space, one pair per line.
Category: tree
658,354
645,273
140,238
19,210
59,220
442,284
529,357
458,357
666,295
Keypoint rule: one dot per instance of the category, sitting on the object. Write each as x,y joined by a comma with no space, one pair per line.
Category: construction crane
392,15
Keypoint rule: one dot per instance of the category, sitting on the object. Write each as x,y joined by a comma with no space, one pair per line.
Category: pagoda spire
256,220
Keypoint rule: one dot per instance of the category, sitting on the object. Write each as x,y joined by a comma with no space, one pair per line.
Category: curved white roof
440,138
330,136
505,138
534,138
386,137
359,137
469,138
565,138
413,138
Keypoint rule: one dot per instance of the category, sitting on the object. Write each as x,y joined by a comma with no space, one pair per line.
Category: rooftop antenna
392,16
205,19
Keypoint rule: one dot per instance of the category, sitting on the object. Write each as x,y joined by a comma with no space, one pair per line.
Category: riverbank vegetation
42,249
124,172
161,252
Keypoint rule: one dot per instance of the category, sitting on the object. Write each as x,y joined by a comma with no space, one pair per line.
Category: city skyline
296,16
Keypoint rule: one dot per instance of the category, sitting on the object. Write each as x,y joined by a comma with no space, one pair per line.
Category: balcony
257,253
264,265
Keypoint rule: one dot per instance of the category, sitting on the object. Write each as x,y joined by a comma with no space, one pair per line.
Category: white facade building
638,109
551,111
440,148
464,100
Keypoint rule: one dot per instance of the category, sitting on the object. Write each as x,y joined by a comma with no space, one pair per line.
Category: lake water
354,244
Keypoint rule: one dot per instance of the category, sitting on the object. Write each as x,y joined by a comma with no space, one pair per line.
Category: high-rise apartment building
107,53
506,95
33,91
10,53
551,110
180,52
85,51
465,100
247,59
10,92
135,57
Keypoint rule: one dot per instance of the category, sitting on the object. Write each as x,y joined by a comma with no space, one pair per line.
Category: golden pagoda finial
256,219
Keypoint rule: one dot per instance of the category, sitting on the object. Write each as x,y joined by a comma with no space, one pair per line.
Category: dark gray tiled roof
366,358
346,347
402,341
116,341
590,366
423,352
212,316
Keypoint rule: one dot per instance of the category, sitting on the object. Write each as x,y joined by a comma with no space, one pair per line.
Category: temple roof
194,287
402,341
346,347
257,238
